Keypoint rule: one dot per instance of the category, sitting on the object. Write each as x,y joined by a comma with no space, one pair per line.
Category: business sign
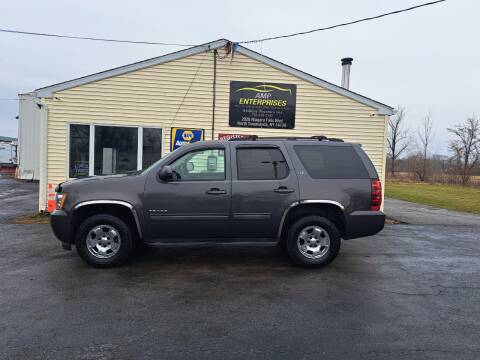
179,137
262,105
223,136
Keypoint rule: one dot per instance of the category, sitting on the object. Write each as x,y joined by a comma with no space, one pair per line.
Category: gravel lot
411,292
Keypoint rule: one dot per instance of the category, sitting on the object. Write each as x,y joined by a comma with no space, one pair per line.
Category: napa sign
179,137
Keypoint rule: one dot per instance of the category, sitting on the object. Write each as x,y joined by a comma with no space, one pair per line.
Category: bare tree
424,134
465,146
398,138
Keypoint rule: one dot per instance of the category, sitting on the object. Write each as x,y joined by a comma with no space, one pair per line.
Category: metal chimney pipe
346,64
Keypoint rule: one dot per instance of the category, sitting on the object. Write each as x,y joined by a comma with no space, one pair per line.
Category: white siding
28,138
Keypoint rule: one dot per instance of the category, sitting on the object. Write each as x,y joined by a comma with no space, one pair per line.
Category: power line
20,32
343,24
92,38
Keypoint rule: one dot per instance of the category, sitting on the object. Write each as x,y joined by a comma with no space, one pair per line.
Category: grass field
454,197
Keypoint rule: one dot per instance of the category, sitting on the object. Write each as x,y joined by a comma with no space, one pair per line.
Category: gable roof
49,90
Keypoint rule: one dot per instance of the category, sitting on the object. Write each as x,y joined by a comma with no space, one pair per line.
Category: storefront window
152,146
79,150
115,149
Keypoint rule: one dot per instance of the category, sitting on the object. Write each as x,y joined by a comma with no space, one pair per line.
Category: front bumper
364,223
60,223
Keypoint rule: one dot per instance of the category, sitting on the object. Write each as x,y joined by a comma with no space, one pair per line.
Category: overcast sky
426,60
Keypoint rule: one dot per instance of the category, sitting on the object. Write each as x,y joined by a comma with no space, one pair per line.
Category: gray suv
305,194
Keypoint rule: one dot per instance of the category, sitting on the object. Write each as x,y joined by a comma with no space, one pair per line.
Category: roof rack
315,137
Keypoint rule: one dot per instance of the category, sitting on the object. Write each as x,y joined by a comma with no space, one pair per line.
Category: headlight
60,200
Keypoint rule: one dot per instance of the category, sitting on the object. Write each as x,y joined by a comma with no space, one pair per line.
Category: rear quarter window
331,162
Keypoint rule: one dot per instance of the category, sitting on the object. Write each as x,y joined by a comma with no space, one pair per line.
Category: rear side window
331,162
261,164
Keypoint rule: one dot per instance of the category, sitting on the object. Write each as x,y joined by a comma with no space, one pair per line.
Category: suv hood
91,179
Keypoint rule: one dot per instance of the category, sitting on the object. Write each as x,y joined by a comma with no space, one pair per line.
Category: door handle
216,191
283,190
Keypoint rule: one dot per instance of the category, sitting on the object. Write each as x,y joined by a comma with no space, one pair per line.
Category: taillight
376,202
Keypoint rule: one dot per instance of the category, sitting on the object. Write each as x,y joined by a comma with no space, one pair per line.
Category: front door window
208,164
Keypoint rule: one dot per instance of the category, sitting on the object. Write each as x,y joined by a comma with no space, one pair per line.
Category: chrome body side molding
113,202
301,202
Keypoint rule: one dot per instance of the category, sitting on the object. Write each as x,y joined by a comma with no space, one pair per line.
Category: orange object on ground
51,198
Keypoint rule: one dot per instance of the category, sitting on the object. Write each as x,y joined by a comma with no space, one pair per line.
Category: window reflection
116,150
79,150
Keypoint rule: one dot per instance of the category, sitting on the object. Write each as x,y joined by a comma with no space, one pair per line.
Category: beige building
121,119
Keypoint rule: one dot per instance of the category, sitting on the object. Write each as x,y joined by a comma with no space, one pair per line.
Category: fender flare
301,202
113,202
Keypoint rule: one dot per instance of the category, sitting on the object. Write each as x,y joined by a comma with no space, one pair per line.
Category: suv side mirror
165,173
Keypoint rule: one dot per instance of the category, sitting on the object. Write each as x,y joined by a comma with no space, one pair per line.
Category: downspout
214,91
43,164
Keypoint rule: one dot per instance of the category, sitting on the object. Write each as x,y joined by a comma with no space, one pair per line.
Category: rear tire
104,241
313,241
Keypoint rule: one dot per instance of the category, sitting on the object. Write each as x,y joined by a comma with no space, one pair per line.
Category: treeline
410,151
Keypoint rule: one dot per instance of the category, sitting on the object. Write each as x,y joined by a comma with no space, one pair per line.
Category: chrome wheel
103,241
313,242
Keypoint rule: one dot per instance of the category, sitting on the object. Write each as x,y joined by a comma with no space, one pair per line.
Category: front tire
104,241
313,241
